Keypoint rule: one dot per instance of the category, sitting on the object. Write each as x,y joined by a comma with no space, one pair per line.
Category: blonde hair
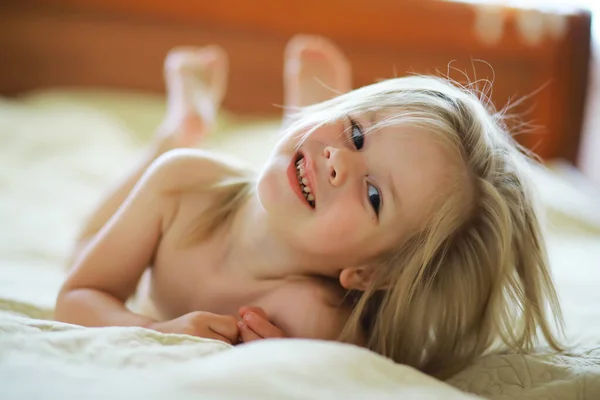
476,276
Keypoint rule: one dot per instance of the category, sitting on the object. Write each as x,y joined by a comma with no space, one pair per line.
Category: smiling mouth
303,181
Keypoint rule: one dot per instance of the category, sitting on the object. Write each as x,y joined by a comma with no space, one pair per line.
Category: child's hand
202,324
255,325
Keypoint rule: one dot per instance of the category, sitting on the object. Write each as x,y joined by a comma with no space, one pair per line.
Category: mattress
60,149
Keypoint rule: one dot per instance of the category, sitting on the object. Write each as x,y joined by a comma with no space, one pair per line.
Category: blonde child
396,216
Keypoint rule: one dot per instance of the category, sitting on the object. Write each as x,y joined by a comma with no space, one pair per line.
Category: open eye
374,198
356,134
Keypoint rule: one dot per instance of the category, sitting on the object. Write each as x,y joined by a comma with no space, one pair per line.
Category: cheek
286,144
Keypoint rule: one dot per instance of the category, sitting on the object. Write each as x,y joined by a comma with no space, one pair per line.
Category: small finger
262,326
257,310
225,326
243,310
216,336
247,334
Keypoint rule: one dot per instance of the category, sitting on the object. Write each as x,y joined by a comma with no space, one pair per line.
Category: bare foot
315,70
196,80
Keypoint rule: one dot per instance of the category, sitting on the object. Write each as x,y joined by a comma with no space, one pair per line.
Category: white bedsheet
59,151
67,362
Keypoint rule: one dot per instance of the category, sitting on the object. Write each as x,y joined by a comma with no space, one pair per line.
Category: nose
341,163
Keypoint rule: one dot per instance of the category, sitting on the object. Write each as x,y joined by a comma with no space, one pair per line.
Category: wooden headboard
122,43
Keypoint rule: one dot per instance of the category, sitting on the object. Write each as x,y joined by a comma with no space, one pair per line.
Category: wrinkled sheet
40,359
59,151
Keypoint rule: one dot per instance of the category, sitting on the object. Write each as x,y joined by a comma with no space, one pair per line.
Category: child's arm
107,271
113,200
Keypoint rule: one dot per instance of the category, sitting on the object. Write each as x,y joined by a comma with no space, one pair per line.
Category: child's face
368,192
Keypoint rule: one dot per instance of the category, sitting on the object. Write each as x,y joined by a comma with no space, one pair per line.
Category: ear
355,278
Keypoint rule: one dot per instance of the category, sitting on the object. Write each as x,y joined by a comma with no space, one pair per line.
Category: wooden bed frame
122,43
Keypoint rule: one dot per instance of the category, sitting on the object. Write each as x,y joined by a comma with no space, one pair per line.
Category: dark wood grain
122,43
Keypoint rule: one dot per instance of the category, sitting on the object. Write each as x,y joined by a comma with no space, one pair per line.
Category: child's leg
315,70
196,80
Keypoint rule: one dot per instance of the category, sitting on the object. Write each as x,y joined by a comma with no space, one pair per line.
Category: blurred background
531,46
81,92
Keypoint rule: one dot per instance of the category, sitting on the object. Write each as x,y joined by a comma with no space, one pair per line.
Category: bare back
187,278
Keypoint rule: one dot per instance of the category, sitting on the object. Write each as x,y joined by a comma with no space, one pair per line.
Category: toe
196,80
315,70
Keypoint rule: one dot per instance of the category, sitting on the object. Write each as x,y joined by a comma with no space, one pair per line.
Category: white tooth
306,189
301,169
310,197
305,181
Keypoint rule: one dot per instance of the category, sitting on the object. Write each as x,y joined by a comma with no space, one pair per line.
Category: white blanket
57,154
41,359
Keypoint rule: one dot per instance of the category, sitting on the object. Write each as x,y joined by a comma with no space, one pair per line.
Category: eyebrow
372,116
395,197
390,179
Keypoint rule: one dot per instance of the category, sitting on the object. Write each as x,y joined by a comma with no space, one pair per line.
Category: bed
81,95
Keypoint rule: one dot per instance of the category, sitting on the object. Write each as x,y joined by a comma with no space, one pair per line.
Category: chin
264,189
270,192
275,201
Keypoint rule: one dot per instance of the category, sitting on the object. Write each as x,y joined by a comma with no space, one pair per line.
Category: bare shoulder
184,168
